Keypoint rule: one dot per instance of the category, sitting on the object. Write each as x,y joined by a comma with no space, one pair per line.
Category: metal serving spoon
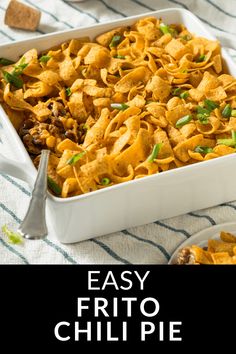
34,227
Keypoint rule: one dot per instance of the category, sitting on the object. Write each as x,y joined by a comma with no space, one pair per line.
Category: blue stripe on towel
182,231
112,9
110,251
220,9
48,13
209,218
16,184
67,256
150,242
80,11
13,250
49,243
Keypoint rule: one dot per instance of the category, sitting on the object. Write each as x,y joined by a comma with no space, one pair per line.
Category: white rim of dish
204,235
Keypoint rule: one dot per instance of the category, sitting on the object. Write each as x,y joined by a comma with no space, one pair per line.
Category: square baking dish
136,202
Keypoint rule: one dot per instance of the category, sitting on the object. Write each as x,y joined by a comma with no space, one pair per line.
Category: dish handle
15,169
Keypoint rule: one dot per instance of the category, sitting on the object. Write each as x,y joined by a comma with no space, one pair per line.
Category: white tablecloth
151,243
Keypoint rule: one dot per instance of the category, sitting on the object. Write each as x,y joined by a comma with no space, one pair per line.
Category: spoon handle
34,227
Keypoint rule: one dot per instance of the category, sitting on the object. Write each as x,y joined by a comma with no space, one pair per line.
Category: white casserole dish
131,203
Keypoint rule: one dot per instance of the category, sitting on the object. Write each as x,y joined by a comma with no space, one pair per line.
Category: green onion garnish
54,186
155,152
44,58
202,110
203,114
201,58
203,119
13,79
105,181
13,237
203,149
115,41
233,135
119,56
176,91
19,68
210,105
184,120
75,158
228,142
187,37
5,62
233,113
184,95
226,113
68,91
164,28
120,106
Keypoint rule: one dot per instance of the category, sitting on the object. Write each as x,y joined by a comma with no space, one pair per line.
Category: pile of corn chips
221,251
138,101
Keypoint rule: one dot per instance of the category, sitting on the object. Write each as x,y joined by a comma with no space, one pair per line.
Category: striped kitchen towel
148,244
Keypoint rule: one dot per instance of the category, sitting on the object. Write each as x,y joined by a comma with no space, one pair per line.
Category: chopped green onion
202,114
203,149
44,58
228,142
184,95
187,37
202,110
155,152
203,119
13,79
226,113
184,120
119,56
68,91
18,69
75,158
184,71
105,181
210,105
233,135
233,113
148,102
13,237
5,62
164,28
120,106
54,186
176,91
201,58
115,41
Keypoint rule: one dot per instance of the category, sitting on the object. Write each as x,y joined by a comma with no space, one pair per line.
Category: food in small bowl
218,251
